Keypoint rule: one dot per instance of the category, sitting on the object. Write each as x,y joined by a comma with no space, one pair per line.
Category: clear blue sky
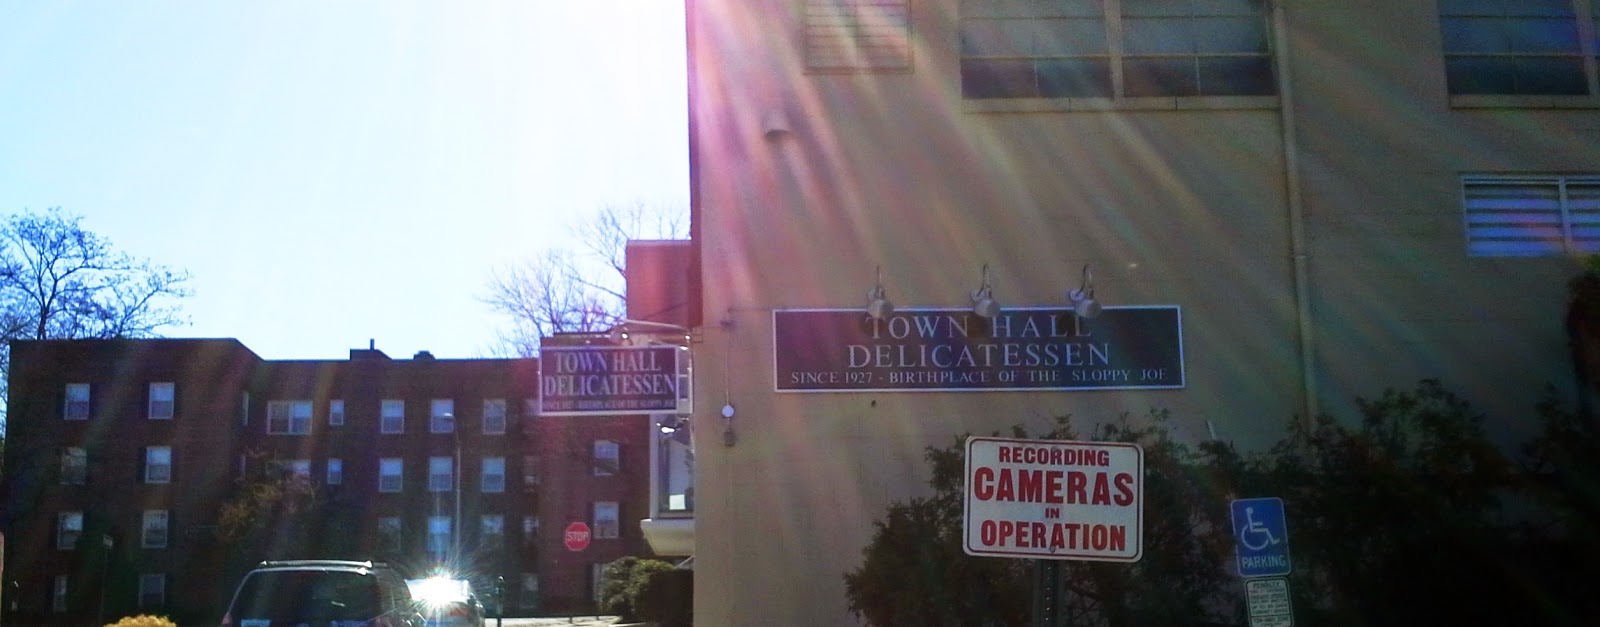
333,172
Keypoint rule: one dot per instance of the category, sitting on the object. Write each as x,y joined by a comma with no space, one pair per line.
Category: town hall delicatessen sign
844,350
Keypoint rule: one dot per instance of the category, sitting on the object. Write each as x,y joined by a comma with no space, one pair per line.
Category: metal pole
1048,600
455,431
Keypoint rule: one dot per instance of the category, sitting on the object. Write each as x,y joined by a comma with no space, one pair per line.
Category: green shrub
143,620
623,583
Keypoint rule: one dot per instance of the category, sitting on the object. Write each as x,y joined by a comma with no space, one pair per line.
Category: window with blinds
1526,216
858,35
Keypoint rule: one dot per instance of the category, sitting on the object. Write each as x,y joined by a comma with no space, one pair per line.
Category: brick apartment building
122,453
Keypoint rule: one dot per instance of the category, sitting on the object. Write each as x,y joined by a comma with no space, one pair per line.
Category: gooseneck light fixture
878,305
1082,299
983,302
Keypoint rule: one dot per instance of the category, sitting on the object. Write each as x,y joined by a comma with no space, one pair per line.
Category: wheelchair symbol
1254,535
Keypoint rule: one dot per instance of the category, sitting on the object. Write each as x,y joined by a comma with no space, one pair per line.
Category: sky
334,173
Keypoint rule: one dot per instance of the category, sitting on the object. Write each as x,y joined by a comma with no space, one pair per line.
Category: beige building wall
1185,202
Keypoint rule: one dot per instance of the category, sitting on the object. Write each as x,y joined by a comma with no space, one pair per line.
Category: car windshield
315,597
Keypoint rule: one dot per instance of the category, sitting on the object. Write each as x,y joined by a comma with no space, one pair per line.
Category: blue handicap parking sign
1260,537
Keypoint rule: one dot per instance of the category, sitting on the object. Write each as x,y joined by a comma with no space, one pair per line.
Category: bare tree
582,291
59,280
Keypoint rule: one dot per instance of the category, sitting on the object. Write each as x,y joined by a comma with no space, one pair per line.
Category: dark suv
322,593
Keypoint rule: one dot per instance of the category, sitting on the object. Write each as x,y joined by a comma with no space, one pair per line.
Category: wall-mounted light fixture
672,425
775,125
623,328
878,305
1082,299
728,438
983,302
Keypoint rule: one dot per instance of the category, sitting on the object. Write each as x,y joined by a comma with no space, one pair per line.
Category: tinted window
315,597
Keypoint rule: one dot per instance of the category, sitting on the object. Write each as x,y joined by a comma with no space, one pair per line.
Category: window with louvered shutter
858,35
1527,216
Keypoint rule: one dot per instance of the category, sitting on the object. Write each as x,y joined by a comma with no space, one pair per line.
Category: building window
155,529
389,533
605,520
288,417
530,591
438,534
1525,216
674,471
157,464
1115,49
854,35
393,417
152,590
1518,47
597,576
494,416
335,471
336,413
58,595
441,474
77,405
492,531
530,530
161,401
442,418
494,474
290,469
74,466
390,470
530,472
606,461
69,527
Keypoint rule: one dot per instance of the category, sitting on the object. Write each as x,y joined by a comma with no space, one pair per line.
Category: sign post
576,536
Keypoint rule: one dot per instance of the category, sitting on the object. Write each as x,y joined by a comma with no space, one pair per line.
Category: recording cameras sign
1053,499
603,380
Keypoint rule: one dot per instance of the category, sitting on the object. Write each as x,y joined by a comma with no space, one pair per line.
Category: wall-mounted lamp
878,305
728,438
672,425
983,302
775,125
623,327
1082,299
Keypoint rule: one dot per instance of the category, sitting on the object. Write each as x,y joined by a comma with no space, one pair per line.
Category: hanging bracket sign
926,350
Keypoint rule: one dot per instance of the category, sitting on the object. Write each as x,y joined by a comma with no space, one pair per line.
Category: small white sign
1269,602
1054,499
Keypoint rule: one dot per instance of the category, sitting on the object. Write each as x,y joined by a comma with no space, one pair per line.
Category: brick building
123,453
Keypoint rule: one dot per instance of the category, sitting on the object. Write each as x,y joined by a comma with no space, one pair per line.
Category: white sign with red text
1053,499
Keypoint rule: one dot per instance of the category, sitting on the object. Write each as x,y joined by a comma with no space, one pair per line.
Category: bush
143,620
624,582
668,598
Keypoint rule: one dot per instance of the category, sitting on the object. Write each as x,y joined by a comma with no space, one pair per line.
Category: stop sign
576,537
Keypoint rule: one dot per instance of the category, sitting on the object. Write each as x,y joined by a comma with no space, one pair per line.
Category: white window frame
530,591
607,458
1553,215
1583,21
58,594
607,521
530,530
152,584
391,482
77,402
530,472
440,534
163,401
154,529
494,416
1112,26
390,532
69,529
492,530
441,474
336,412
156,469
335,471
291,417
392,416
442,416
74,465
492,479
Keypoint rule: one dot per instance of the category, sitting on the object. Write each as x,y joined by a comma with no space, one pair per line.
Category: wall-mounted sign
603,380
845,350
1053,499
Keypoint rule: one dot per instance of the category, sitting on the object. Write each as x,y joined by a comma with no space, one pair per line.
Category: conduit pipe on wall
1297,244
